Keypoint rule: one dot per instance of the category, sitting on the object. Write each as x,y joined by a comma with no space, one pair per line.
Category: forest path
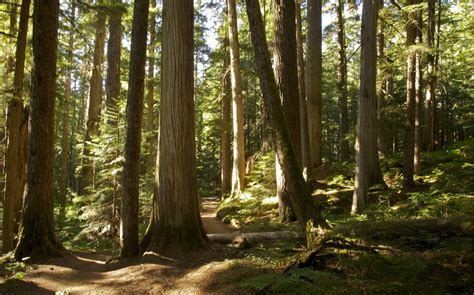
87,272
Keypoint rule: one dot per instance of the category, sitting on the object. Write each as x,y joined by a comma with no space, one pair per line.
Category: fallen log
253,238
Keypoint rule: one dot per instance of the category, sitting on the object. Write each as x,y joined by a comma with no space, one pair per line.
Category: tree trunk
93,107
409,149
418,94
286,75
366,116
430,99
135,96
17,134
342,84
178,226
150,85
305,148
37,238
63,182
238,169
314,81
304,206
226,124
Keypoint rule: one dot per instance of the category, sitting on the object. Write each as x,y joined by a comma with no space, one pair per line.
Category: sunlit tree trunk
342,84
94,104
226,124
135,97
314,80
178,225
238,169
366,136
17,134
37,238
430,99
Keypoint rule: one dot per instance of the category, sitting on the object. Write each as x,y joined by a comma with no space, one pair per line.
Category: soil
88,272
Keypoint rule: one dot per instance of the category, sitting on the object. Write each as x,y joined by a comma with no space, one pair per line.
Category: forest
237,147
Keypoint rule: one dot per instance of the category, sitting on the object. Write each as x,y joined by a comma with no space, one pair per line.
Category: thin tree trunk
150,94
226,124
305,148
63,182
238,169
135,96
286,74
314,81
409,148
37,238
17,134
178,226
304,207
93,107
342,84
366,115
428,134
418,94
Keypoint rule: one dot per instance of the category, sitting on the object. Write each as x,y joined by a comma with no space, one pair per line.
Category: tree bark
150,85
304,206
135,96
314,81
93,107
342,84
37,238
177,226
305,148
409,149
17,134
226,124
238,168
366,137
430,98
286,75
418,94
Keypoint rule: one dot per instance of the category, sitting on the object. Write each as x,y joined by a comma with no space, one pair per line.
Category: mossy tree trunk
37,238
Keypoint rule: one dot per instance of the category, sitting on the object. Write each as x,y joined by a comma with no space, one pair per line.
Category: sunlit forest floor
423,241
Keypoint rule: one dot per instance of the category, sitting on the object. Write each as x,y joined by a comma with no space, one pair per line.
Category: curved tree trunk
366,136
177,228
286,74
238,169
37,238
135,96
17,134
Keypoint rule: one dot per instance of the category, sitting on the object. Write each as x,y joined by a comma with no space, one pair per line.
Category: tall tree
366,115
93,107
226,123
304,207
314,80
17,134
65,138
286,75
37,237
238,168
135,96
430,100
176,224
305,148
150,85
342,83
409,149
418,93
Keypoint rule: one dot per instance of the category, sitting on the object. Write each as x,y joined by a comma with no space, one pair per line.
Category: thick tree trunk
64,181
304,206
366,116
418,94
305,148
430,99
409,149
342,84
17,134
93,107
238,169
314,81
150,87
179,227
135,96
286,75
37,237
226,124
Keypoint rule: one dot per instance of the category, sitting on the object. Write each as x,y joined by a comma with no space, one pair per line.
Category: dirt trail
87,273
